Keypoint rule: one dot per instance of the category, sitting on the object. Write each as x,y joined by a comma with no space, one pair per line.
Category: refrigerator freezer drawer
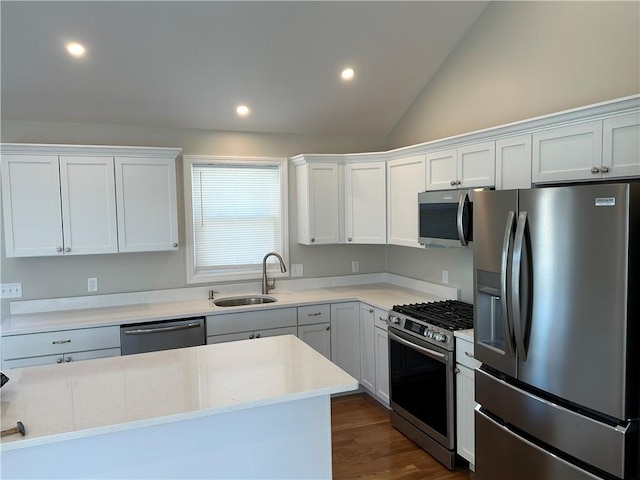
501,454
610,449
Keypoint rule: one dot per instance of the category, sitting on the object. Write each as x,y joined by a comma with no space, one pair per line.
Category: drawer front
314,314
250,321
51,343
464,354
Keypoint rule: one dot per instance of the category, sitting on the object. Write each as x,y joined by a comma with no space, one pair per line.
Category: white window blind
237,215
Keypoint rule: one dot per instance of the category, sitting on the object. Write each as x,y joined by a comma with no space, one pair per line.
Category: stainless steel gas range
422,377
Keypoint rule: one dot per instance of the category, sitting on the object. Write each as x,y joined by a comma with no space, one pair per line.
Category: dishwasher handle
145,331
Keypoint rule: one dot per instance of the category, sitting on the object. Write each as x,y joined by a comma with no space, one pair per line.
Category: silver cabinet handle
145,331
60,342
595,170
67,250
59,249
314,314
470,355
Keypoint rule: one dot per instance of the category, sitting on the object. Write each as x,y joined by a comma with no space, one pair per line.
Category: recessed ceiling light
75,49
347,74
242,110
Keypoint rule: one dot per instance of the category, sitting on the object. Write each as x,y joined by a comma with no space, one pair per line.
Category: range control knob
393,319
440,337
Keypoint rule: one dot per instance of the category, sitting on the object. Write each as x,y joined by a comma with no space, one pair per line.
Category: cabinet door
442,170
317,336
88,205
147,204
366,203
621,146
567,153
477,165
345,337
31,204
513,163
405,179
465,406
324,203
382,365
367,348
61,358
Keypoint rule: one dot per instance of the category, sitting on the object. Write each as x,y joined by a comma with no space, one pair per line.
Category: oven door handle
417,348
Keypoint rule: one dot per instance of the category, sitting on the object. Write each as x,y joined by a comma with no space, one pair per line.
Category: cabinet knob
67,250
175,245
456,370
349,239
313,240
67,359
371,310
595,170
328,328
604,169
257,335
453,183
59,249
59,360
252,336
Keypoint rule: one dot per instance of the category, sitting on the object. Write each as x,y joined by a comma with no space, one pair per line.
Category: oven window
419,386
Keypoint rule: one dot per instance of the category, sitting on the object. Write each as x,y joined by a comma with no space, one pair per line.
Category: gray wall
51,277
519,60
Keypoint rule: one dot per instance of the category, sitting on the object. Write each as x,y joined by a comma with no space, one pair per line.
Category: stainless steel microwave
446,217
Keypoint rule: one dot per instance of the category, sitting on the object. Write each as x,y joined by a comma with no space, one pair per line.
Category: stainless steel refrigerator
557,313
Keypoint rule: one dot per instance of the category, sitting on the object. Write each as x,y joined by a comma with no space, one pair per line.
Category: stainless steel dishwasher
165,335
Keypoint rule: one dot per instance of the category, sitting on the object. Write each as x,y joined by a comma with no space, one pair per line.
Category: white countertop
464,334
76,400
381,295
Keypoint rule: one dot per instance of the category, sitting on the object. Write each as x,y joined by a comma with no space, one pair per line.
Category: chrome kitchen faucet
266,286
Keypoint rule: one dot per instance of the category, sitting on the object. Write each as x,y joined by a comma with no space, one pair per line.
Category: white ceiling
188,64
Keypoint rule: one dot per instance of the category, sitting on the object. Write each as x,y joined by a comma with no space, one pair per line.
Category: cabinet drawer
381,318
464,354
51,343
250,321
314,314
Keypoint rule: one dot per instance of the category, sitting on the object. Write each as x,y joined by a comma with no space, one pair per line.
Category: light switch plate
297,270
92,284
11,290
445,276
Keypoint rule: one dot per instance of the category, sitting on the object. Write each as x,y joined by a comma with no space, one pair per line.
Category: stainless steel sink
238,301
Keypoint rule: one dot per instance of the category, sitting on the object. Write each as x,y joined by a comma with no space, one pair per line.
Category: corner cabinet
78,200
340,200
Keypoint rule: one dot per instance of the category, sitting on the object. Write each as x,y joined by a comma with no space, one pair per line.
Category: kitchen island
247,409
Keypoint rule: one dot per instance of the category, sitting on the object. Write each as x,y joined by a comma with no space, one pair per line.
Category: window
236,211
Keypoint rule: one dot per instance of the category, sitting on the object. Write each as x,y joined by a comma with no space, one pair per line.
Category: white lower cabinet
60,347
345,337
382,365
374,352
465,403
314,327
229,327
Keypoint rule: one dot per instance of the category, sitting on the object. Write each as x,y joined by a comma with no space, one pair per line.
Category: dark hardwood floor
366,446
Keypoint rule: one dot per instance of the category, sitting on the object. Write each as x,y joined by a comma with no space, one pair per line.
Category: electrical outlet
92,284
297,270
355,266
11,290
445,276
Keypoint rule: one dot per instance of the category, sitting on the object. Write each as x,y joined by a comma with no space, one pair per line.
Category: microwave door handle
515,286
506,320
462,203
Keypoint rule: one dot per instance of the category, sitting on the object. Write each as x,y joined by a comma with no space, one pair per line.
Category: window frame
193,275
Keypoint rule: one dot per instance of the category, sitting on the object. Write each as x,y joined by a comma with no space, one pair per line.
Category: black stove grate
447,314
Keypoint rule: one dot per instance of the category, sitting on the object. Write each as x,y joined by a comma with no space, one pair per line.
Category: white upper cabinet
366,206
405,179
568,153
88,205
621,146
32,205
513,162
318,202
61,200
469,166
147,205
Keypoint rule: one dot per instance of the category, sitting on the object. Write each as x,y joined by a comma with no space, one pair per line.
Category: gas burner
447,314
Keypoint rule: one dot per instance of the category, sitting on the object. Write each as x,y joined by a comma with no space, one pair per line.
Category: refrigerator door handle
506,321
462,203
515,286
